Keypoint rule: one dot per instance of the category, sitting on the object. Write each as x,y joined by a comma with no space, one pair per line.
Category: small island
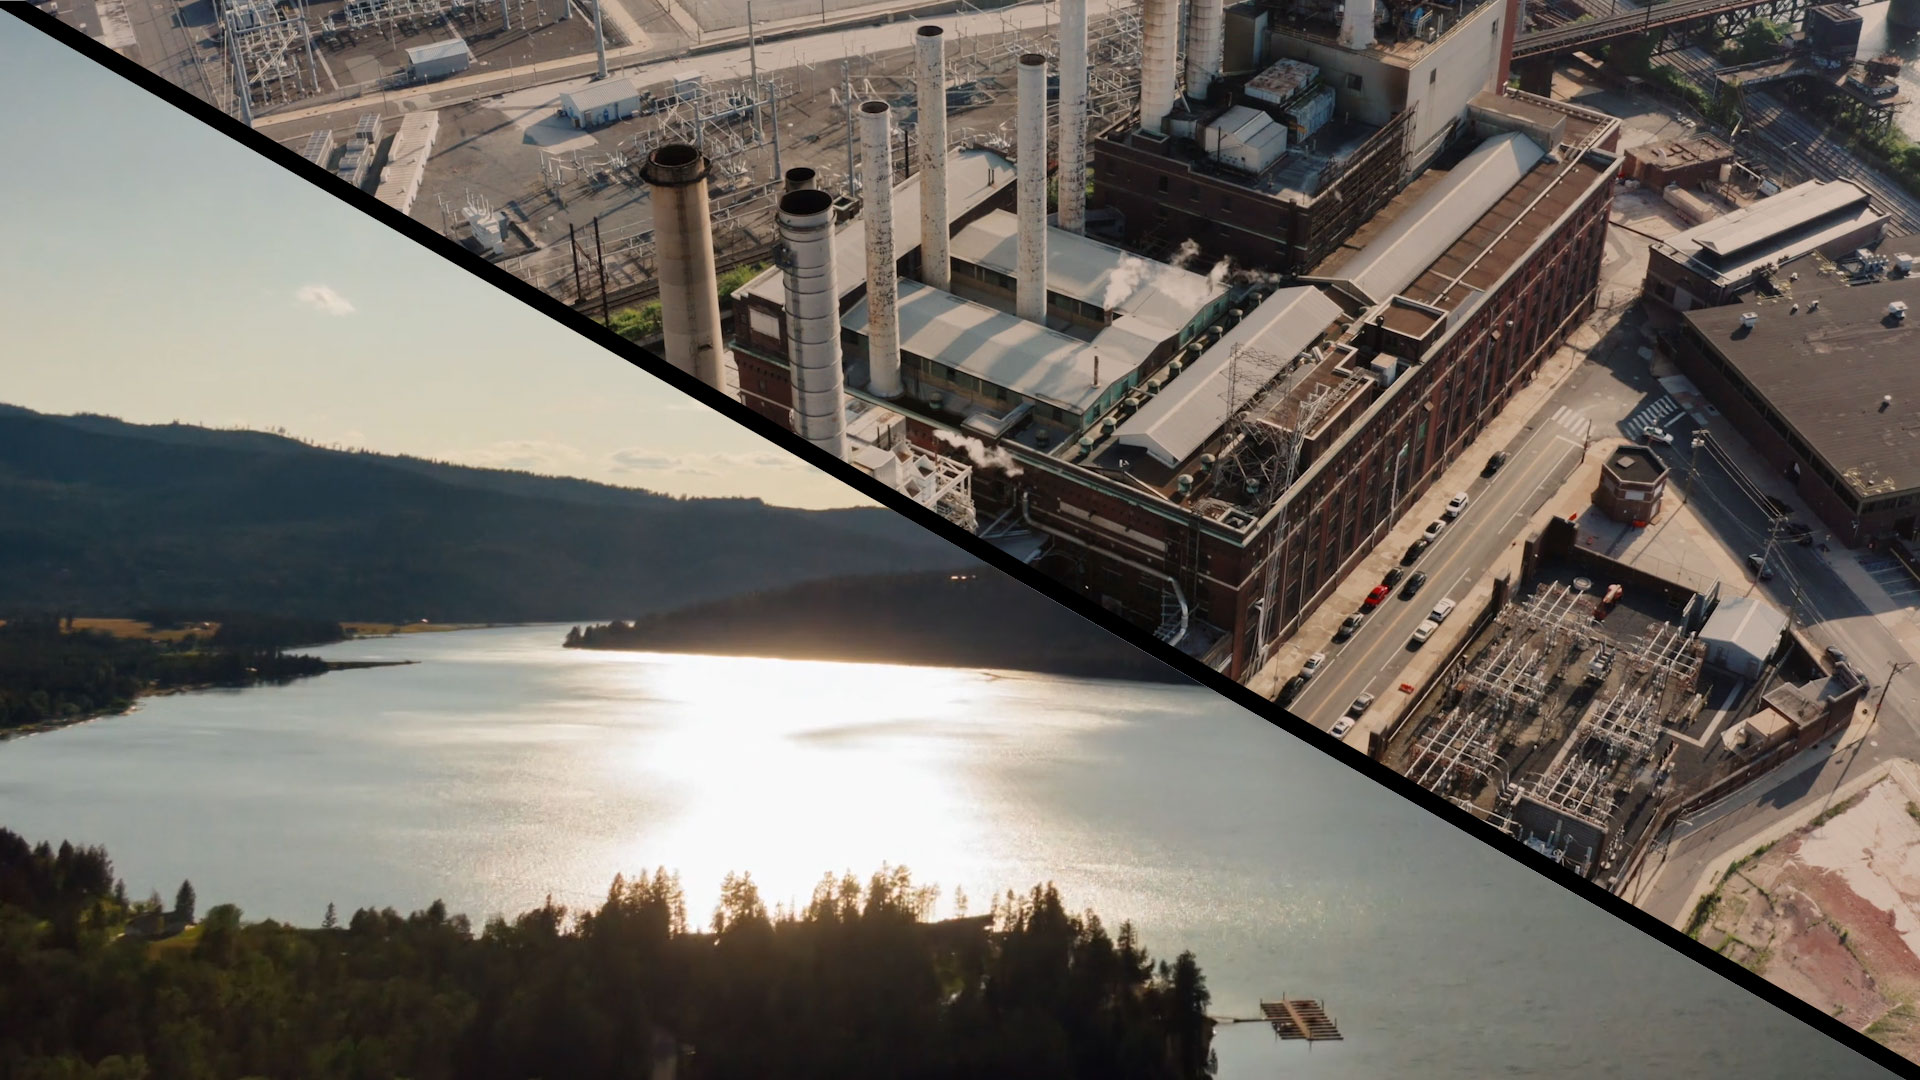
968,619
861,982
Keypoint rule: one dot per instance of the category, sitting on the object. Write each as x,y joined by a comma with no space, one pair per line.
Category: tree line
49,672
858,982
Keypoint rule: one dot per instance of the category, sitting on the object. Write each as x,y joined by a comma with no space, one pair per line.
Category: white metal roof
1771,218
596,95
1430,226
972,175
438,50
1019,354
1161,296
1182,417
1746,623
1247,138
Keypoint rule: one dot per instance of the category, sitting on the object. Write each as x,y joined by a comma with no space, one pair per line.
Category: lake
501,769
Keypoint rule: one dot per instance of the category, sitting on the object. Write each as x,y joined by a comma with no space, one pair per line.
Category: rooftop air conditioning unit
1747,320
1897,309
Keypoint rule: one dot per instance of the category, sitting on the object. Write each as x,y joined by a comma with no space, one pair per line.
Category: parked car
1797,531
1424,631
1341,727
1494,463
1415,550
1379,593
1654,434
1393,576
1312,667
1757,565
1441,610
1292,689
1433,531
1347,627
1413,584
1359,705
1835,655
1455,505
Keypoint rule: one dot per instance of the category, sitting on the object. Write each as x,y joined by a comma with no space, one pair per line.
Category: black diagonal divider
792,443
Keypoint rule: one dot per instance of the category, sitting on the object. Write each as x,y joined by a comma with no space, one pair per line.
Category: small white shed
438,60
1742,633
601,102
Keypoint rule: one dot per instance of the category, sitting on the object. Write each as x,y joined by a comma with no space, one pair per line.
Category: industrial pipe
802,178
1159,53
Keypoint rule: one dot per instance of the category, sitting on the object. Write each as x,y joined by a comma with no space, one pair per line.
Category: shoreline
42,727
1149,666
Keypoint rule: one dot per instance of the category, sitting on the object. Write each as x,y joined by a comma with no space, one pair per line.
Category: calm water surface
502,768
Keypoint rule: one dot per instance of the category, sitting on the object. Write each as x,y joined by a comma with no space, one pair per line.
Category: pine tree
332,919
183,902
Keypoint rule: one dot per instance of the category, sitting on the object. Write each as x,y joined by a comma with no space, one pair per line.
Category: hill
941,619
105,517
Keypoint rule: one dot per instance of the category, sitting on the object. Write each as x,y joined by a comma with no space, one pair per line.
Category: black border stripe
1081,605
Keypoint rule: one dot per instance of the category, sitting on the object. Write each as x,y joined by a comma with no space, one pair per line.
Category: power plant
1316,260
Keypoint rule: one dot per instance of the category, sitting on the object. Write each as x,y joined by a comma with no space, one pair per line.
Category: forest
938,619
858,983
109,518
50,672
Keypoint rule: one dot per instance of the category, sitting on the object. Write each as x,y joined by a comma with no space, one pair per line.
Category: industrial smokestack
683,245
599,43
813,318
1206,30
802,179
1030,291
1073,116
936,263
883,282
1356,24
1508,30
1159,53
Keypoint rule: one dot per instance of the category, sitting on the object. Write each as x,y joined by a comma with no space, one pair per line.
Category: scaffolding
268,49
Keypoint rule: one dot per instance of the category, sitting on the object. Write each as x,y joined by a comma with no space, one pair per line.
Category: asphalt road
1607,389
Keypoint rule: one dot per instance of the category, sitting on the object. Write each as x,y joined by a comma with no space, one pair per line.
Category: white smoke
982,455
1185,253
1126,278
1217,276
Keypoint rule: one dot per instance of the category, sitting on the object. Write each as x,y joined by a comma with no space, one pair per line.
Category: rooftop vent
1814,304
1897,309
1747,319
1904,261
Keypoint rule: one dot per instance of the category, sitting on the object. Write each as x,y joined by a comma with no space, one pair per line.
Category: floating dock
1298,1019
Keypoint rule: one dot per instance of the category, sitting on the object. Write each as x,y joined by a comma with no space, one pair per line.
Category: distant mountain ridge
939,619
104,517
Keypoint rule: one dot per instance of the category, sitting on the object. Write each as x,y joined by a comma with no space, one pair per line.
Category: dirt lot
1832,912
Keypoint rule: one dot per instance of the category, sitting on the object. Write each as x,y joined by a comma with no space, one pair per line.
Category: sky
156,271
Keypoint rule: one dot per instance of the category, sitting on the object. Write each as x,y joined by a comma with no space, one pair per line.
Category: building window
1433,76
1353,82
1162,182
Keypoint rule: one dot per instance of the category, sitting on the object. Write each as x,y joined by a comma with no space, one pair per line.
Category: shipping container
1309,114
1281,83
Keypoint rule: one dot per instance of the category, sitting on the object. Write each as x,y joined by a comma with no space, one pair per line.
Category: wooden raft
1298,1019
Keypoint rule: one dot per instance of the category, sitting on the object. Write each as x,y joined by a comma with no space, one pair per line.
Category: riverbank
41,727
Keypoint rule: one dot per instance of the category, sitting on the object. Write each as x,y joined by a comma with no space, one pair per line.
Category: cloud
530,455
643,460
324,299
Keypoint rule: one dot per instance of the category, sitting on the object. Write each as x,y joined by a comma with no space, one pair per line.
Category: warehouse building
1824,385
438,60
1716,262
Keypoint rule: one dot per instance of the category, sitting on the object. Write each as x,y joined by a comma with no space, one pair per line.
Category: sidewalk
1318,628
1709,878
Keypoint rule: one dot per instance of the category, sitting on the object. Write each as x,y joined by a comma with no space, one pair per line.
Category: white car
1433,531
1656,434
1441,610
1341,727
1455,505
1312,666
1424,631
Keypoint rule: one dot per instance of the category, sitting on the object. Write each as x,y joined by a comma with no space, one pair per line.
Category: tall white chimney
1030,291
683,245
813,318
936,262
883,280
1356,24
1072,175
1159,55
1206,30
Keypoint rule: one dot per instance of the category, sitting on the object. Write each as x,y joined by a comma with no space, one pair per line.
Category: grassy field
382,629
134,628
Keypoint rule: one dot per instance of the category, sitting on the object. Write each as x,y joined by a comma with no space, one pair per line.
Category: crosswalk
1652,414
1571,418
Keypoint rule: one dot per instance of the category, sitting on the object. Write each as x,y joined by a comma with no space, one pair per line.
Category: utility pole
753,63
846,85
1893,673
599,44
